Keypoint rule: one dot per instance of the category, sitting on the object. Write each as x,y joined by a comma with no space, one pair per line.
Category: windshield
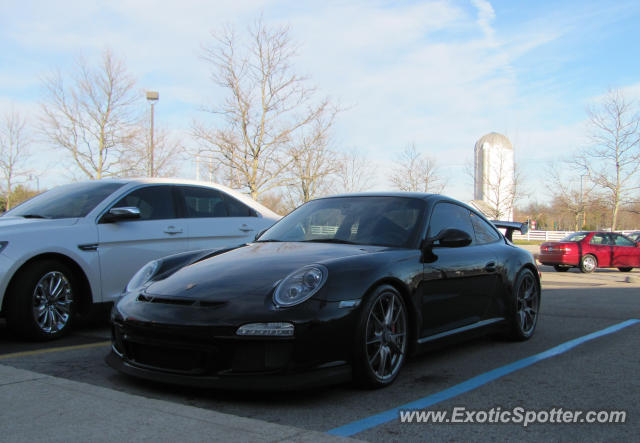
383,221
68,201
575,237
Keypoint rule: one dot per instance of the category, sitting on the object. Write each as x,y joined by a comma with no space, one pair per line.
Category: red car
591,250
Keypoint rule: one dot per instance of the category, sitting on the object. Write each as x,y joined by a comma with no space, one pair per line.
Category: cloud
486,14
441,73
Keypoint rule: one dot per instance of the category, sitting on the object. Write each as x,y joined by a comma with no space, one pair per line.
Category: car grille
179,301
171,359
158,349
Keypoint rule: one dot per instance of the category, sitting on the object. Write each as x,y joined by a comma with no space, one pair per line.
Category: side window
204,202
449,215
620,240
154,202
599,239
485,233
238,209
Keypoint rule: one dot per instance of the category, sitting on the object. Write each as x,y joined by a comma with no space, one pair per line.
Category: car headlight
146,273
300,285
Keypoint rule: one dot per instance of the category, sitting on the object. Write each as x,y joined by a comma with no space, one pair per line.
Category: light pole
584,213
152,98
199,158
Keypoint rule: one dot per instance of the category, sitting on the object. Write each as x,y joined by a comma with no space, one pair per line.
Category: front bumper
319,376
194,346
5,274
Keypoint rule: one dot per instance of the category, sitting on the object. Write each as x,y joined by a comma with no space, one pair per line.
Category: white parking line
357,426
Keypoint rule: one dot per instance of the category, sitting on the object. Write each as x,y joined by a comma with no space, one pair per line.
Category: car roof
181,181
597,232
601,232
402,194
418,195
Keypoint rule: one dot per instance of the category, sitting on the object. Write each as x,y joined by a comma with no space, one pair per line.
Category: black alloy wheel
525,309
381,339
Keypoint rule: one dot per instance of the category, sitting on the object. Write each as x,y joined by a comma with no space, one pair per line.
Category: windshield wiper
270,240
34,216
331,240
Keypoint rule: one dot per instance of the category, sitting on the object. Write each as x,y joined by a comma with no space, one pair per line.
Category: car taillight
563,249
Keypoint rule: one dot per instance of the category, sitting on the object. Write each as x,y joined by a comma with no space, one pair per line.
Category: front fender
352,277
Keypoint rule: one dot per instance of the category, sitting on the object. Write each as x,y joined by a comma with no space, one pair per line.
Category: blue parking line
383,417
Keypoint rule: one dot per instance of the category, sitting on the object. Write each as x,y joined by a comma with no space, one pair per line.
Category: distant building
494,176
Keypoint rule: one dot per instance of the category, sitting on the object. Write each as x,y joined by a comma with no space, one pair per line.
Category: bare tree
159,160
14,143
267,105
613,160
21,193
572,196
416,173
355,172
313,163
94,116
538,212
276,202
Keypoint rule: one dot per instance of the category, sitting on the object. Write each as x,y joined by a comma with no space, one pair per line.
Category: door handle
246,228
172,230
490,267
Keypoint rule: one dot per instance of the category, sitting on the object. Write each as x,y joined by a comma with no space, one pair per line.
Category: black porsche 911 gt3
342,288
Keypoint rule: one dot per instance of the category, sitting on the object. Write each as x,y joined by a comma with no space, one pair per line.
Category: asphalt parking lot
593,373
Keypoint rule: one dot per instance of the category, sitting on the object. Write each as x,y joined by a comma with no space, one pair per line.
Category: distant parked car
79,244
591,250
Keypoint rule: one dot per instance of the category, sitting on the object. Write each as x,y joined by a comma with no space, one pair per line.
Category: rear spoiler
510,227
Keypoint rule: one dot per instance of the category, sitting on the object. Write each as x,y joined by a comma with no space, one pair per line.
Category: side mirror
121,213
450,238
455,238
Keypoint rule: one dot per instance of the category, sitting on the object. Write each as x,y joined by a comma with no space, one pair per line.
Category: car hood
19,223
251,270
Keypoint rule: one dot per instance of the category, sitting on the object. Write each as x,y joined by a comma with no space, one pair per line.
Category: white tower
494,175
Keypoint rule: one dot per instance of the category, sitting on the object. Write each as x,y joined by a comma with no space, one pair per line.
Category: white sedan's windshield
386,221
69,201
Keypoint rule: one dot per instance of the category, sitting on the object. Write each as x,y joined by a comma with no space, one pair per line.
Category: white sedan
78,245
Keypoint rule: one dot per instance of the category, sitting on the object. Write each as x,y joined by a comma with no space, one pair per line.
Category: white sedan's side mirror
121,213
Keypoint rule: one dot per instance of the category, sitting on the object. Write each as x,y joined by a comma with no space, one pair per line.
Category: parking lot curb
39,407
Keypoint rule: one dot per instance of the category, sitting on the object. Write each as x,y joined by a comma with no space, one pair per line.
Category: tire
559,268
525,307
382,337
625,269
40,304
588,263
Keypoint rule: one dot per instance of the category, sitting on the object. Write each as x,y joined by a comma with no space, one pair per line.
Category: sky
439,74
